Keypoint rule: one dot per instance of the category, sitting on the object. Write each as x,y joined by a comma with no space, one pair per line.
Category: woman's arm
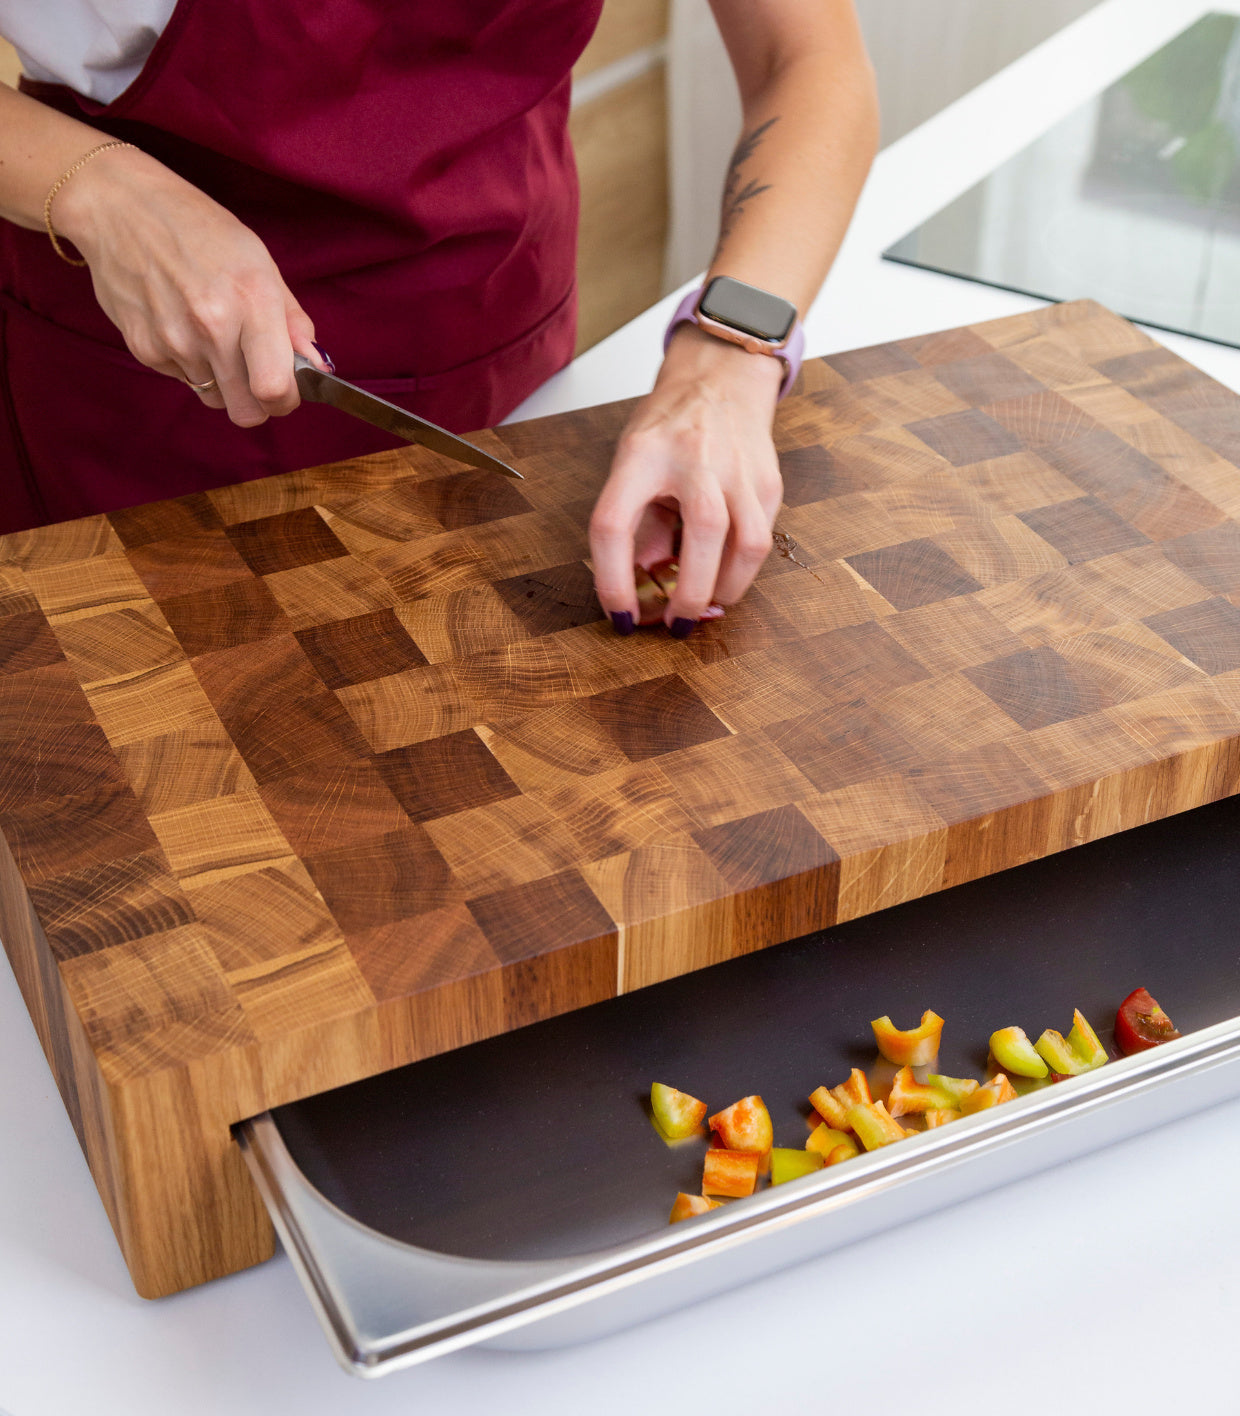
193,291
699,448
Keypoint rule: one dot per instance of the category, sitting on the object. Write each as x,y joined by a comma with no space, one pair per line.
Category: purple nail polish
622,621
681,628
325,356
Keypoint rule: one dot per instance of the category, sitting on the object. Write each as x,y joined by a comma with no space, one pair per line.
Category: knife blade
318,387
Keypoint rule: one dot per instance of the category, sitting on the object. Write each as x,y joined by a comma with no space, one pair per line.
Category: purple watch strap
792,353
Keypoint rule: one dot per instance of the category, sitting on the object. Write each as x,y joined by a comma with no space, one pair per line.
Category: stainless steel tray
514,1192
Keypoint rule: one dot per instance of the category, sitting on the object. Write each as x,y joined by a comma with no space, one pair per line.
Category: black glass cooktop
1132,200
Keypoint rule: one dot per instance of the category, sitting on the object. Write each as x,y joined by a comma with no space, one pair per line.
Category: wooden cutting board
313,776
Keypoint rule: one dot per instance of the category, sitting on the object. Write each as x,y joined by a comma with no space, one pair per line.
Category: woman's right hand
195,292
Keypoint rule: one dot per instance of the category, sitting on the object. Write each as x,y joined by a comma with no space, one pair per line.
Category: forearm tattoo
736,191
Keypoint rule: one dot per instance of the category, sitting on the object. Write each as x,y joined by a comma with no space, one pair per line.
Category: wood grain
310,777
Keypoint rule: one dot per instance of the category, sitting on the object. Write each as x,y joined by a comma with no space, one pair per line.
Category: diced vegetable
789,1164
847,1117
846,1150
677,1113
729,1172
830,1108
909,1096
1141,1024
825,1139
1083,1040
666,575
1013,1051
873,1125
911,1047
855,1089
955,1087
1079,1052
940,1118
685,1206
651,601
996,1090
745,1125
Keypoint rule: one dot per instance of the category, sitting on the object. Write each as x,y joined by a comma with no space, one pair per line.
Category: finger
701,548
233,377
268,354
746,549
201,381
613,526
210,397
301,335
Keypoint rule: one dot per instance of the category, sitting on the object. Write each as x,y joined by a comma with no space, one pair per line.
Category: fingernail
325,356
622,621
681,628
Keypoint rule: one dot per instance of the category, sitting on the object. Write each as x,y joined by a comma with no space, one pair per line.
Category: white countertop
1108,1283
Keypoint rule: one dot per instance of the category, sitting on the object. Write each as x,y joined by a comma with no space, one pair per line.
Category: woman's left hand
696,459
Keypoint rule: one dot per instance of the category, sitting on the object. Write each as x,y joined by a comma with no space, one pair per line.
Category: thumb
301,335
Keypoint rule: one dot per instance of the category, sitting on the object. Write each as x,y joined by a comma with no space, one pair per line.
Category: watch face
748,309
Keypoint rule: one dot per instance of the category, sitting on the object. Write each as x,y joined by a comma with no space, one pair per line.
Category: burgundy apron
408,167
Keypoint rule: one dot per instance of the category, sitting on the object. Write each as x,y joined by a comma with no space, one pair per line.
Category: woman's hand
696,455
194,291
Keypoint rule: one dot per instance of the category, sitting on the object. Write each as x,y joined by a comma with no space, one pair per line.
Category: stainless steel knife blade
318,387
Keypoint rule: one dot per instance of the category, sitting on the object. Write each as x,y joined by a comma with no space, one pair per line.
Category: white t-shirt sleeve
97,47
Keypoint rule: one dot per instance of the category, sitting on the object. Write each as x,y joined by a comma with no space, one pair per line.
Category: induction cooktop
1132,200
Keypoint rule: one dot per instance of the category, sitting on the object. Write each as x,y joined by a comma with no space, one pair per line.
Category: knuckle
752,549
144,350
606,526
709,520
213,317
770,485
271,389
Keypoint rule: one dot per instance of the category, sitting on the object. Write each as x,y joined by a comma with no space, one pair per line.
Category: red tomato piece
1141,1024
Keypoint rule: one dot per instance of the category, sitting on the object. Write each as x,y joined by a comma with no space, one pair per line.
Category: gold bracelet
59,183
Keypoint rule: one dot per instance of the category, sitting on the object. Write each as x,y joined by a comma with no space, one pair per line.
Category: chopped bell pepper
678,1115
666,575
874,1126
909,1096
1013,1051
844,1151
729,1172
825,1139
651,601
940,1118
832,1110
955,1087
787,1164
855,1089
745,1125
996,1090
685,1206
911,1047
1079,1052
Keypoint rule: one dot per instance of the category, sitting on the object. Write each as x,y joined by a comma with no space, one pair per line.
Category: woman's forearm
38,143
810,131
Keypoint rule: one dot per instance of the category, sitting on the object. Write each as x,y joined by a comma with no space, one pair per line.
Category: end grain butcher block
310,777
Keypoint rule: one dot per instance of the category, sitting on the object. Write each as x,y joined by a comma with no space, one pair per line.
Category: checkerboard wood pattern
309,777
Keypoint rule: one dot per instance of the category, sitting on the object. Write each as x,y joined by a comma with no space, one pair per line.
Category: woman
237,176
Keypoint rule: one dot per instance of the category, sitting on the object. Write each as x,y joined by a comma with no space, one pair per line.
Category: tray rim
555,1285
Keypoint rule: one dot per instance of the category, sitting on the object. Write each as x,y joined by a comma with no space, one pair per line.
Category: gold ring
207,387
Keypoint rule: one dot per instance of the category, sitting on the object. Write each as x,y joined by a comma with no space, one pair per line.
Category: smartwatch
742,314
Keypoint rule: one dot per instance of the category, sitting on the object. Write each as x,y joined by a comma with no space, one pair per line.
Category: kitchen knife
319,387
